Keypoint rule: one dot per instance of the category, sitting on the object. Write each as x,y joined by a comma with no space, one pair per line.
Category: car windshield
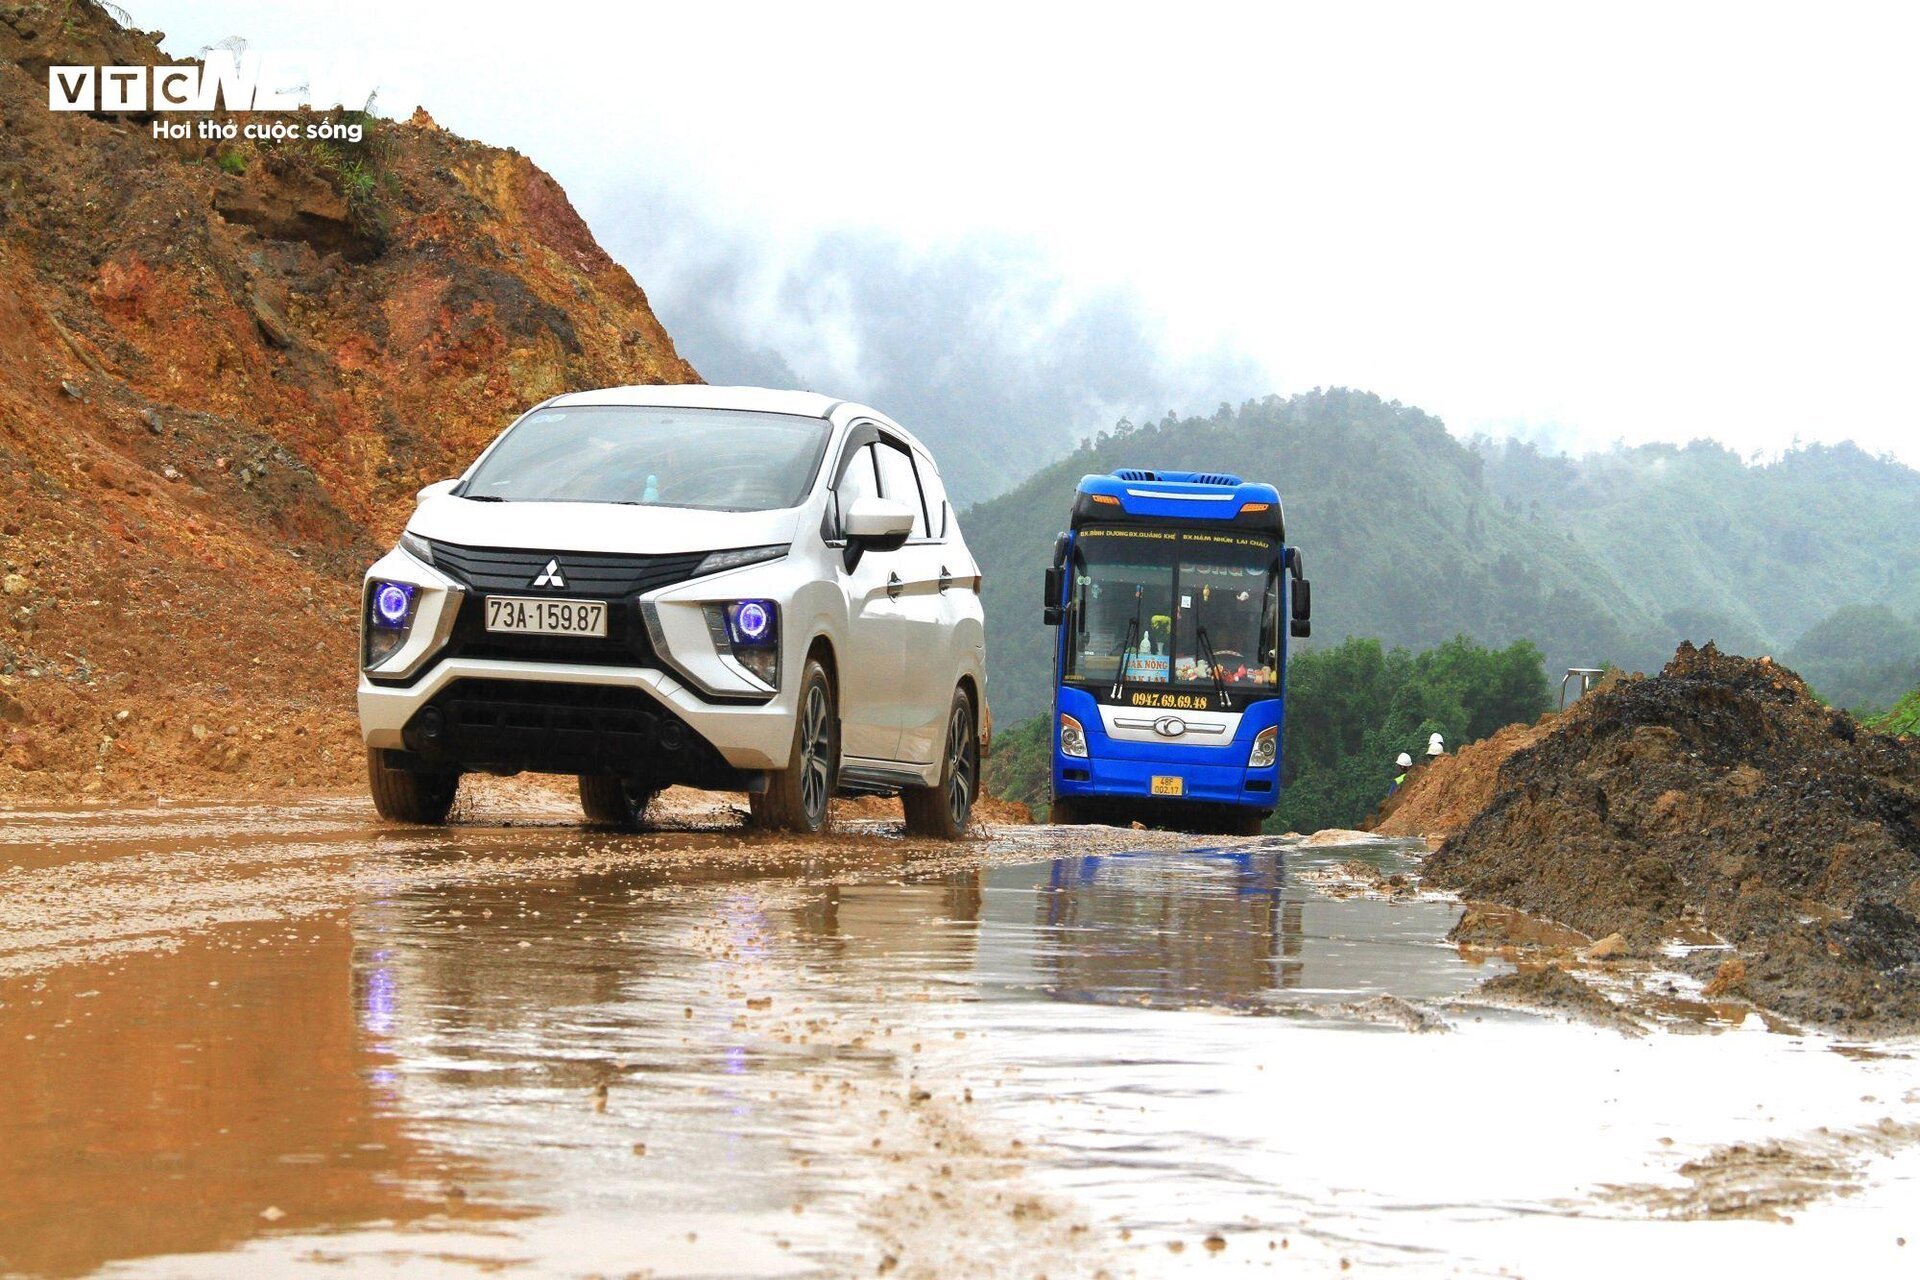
710,459
1181,604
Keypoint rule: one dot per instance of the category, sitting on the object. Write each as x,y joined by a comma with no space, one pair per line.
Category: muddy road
252,1041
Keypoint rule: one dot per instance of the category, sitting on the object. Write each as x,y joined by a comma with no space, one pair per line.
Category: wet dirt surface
245,1041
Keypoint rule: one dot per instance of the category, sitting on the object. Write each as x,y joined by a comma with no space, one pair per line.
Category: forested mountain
1757,555
1412,536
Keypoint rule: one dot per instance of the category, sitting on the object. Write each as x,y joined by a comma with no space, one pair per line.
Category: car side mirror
438,489
879,524
1051,614
1302,624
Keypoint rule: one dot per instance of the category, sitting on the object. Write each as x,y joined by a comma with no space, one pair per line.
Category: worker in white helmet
1405,762
1436,746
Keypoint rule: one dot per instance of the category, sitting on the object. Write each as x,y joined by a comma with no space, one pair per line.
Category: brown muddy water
280,1041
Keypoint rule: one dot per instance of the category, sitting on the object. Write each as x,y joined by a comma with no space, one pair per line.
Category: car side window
936,495
898,484
856,482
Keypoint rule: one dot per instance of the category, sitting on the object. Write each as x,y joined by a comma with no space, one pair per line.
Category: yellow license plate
1165,786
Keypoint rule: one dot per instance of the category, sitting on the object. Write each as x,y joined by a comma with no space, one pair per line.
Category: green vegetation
1354,707
1021,765
1904,718
232,162
1351,709
1860,657
1413,536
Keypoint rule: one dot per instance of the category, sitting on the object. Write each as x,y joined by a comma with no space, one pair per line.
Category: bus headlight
1073,739
1266,748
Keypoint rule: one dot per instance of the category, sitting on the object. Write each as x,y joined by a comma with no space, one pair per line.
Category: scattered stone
273,1213
1610,947
14,584
171,473
71,390
152,418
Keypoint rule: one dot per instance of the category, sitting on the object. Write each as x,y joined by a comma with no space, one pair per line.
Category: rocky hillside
224,371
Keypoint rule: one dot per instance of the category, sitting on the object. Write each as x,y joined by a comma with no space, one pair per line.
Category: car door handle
893,586
946,579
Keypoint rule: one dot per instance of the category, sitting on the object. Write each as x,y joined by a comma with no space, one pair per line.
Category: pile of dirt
1719,792
225,369
1440,795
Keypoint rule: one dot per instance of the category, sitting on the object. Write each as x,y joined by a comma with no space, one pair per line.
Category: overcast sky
1577,222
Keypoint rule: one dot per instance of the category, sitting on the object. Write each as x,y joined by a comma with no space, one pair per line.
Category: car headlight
1266,749
1073,739
721,560
386,619
417,547
750,631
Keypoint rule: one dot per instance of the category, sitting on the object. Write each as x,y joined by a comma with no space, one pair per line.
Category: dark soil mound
1721,788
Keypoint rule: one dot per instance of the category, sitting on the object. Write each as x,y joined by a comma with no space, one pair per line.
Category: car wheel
1065,812
797,796
944,809
401,795
620,803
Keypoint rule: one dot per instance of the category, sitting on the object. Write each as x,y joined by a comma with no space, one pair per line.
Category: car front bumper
748,736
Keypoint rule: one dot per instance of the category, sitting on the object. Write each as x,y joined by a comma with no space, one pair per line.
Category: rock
171,473
1610,947
10,708
272,325
152,418
14,585
199,732
71,390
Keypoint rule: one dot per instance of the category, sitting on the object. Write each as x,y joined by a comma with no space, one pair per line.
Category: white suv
720,587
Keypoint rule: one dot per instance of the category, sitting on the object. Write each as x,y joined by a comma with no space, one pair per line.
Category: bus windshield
1184,606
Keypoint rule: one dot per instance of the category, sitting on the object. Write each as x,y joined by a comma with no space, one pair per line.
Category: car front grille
605,577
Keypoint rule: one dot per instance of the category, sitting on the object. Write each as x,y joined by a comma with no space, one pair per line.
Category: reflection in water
1223,927
726,1069
163,1103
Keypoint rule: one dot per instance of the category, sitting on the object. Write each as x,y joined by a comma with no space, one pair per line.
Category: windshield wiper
1126,644
1213,665
483,497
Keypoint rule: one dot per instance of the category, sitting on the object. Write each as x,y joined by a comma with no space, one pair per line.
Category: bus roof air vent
1136,475
1226,481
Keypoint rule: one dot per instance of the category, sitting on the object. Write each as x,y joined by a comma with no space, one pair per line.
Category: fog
978,344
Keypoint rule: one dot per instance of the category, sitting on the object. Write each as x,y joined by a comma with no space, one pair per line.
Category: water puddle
771,1060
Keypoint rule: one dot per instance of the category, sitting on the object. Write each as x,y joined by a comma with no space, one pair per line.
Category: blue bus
1169,589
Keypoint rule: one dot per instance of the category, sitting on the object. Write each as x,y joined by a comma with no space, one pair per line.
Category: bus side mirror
1302,624
1051,615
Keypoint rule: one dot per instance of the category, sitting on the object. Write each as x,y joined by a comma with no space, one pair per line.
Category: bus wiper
1213,665
483,497
1126,645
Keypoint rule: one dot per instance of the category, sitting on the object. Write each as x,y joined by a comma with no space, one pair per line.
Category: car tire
797,797
620,803
944,810
1066,812
401,795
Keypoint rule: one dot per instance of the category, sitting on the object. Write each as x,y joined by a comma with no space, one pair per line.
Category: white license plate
524,616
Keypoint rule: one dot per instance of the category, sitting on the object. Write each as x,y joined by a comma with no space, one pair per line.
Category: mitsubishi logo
550,577
1169,726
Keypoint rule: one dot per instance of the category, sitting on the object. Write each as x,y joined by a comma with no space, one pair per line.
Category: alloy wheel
960,750
816,750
